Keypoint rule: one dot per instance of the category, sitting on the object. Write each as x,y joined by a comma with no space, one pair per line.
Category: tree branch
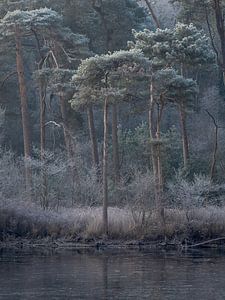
7,77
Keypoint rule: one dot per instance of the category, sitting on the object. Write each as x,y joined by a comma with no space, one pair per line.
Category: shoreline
107,244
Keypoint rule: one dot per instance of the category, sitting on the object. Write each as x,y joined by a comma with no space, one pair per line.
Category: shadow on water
115,274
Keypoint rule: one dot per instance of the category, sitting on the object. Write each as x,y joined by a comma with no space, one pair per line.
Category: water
112,275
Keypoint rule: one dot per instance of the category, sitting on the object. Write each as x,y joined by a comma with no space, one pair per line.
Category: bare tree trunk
24,106
93,137
215,150
98,7
219,14
42,120
153,14
44,191
115,144
152,130
184,136
105,169
76,185
156,154
66,131
159,166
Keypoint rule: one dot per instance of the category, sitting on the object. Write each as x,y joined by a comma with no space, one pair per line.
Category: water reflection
111,275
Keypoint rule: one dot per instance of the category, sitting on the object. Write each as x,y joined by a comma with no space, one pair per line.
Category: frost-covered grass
30,221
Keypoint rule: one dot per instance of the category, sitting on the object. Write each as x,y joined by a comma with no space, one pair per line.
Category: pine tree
101,81
184,48
41,24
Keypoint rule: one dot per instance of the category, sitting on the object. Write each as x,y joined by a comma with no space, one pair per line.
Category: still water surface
112,275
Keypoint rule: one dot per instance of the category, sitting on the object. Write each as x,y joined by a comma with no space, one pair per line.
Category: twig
7,77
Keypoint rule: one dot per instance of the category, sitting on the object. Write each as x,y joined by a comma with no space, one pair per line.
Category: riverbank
106,244
28,225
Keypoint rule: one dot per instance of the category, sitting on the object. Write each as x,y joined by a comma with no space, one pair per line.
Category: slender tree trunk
44,192
159,166
215,148
93,137
99,8
219,14
66,131
105,169
152,130
184,136
42,120
156,154
75,179
115,143
24,106
153,14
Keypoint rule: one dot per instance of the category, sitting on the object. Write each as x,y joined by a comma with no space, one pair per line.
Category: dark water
112,275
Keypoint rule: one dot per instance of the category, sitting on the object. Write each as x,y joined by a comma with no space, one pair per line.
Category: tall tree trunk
152,13
66,131
159,165
76,185
215,148
42,119
93,137
156,154
24,106
105,169
219,14
185,142
44,191
152,130
98,7
115,143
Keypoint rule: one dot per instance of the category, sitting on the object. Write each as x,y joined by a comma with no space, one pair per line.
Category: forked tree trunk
184,136
115,144
24,106
93,137
105,169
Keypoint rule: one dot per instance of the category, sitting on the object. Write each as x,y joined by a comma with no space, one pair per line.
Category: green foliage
135,146
107,23
104,75
44,21
58,80
184,44
181,90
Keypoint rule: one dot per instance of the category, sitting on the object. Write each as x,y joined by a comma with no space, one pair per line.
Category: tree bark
24,106
219,14
93,137
184,133
105,169
42,120
66,131
156,154
115,144
215,148
152,12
